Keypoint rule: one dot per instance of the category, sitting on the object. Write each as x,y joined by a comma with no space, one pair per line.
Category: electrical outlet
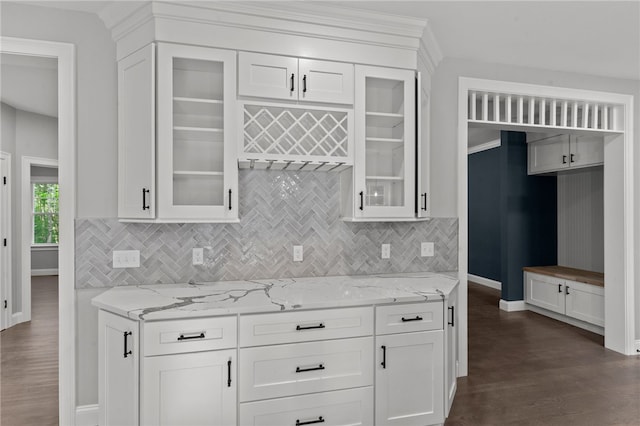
126,258
386,251
427,249
297,253
198,256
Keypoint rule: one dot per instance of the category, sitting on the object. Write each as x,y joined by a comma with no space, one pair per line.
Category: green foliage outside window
46,228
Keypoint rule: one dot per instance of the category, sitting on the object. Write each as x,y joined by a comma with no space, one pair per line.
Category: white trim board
484,281
65,53
512,305
87,415
44,272
485,146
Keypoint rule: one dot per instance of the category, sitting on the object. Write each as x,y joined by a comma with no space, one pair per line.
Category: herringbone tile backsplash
277,210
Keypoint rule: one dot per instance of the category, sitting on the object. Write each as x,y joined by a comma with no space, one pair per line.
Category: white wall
581,219
444,106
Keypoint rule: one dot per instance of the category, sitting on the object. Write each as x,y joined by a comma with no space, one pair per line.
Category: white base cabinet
451,350
584,302
290,368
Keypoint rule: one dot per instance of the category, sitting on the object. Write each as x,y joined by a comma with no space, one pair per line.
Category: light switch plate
126,258
427,249
198,256
297,253
386,251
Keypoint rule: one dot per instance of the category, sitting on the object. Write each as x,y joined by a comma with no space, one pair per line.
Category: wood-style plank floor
527,369
29,361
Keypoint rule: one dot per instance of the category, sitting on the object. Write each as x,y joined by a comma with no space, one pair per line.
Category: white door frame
5,226
619,203
27,229
65,54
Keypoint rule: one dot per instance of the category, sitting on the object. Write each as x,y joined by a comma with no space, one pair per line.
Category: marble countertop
171,301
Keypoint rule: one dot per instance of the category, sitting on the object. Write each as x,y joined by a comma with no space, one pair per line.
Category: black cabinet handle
304,84
566,290
229,373
302,370
559,288
127,352
310,422
453,316
564,159
384,356
292,87
361,200
145,191
424,201
309,327
416,318
229,199
571,160
197,336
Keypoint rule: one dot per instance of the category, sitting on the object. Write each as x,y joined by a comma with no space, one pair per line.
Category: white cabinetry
385,148
409,366
451,350
284,77
196,174
564,152
584,302
118,360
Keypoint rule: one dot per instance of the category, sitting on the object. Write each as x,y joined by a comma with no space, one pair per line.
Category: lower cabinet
189,389
451,357
206,371
584,302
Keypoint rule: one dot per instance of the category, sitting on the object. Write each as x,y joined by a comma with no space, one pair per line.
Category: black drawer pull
559,288
145,206
417,318
229,199
571,160
292,87
302,370
310,422
309,327
127,352
384,356
424,201
361,200
564,159
197,336
566,290
229,373
453,316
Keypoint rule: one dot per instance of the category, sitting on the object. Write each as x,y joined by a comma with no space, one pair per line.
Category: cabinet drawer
410,317
189,335
339,408
304,326
285,370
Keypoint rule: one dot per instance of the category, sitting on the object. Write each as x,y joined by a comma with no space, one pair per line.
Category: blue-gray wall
512,216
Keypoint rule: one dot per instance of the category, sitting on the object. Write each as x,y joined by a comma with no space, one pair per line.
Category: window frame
42,180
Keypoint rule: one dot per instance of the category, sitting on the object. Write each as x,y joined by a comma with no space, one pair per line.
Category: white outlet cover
386,251
198,256
126,258
427,249
297,253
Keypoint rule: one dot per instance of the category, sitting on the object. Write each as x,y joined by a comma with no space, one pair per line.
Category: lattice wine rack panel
291,137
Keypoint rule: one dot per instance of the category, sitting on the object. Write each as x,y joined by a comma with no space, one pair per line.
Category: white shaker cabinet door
267,76
136,134
585,302
118,356
189,389
586,151
409,379
324,81
451,350
549,155
544,291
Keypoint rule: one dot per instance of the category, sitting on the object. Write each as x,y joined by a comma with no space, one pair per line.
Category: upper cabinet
564,152
284,77
195,168
384,172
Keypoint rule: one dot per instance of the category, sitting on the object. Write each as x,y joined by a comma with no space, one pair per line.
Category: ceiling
29,83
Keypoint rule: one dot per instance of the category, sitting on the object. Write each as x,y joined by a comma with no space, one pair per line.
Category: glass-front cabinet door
197,175
384,185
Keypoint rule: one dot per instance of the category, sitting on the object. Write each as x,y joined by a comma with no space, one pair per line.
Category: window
45,213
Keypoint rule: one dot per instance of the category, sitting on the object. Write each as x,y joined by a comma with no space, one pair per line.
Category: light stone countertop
172,301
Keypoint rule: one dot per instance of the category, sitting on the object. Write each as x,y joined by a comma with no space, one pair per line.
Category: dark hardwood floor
527,369
29,361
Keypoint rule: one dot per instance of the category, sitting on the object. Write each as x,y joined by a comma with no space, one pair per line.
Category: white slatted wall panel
581,219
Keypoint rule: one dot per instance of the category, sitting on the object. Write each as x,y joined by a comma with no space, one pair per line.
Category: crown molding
429,53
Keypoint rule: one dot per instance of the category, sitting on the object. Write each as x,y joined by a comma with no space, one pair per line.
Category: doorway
5,247
64,53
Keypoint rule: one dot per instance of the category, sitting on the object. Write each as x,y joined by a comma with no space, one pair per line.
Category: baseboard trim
42,272
512,305
485,281
638,346
16,318
87,415
571,321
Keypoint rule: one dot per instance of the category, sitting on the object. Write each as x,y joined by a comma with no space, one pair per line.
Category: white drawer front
285,370
189,335
304,326
408,318
350,407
